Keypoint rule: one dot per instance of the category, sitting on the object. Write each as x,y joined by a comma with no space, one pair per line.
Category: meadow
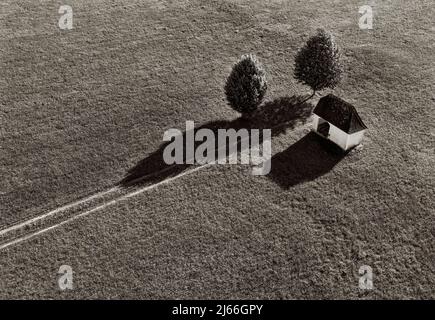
84,110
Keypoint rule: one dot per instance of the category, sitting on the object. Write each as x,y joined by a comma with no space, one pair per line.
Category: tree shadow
307,159
278,115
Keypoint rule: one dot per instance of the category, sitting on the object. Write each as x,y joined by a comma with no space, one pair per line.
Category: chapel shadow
307,159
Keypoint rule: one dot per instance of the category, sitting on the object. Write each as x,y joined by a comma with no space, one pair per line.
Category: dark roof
339,113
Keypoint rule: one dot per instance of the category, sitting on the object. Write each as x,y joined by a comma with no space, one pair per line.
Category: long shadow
309,158
278,115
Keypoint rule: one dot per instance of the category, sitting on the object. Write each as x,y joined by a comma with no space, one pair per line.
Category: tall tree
246,85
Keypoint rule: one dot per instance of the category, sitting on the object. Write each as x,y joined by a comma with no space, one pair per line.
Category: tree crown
318,64
246,85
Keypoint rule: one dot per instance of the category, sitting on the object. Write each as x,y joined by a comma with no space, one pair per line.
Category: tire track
81,208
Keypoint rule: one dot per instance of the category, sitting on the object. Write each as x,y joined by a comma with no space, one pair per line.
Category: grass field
80,109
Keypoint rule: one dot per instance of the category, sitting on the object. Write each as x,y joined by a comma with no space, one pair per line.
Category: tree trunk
305,100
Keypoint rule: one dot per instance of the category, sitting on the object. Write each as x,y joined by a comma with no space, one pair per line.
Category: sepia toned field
81,110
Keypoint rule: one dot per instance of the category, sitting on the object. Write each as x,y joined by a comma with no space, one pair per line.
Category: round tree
246,85
318,64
